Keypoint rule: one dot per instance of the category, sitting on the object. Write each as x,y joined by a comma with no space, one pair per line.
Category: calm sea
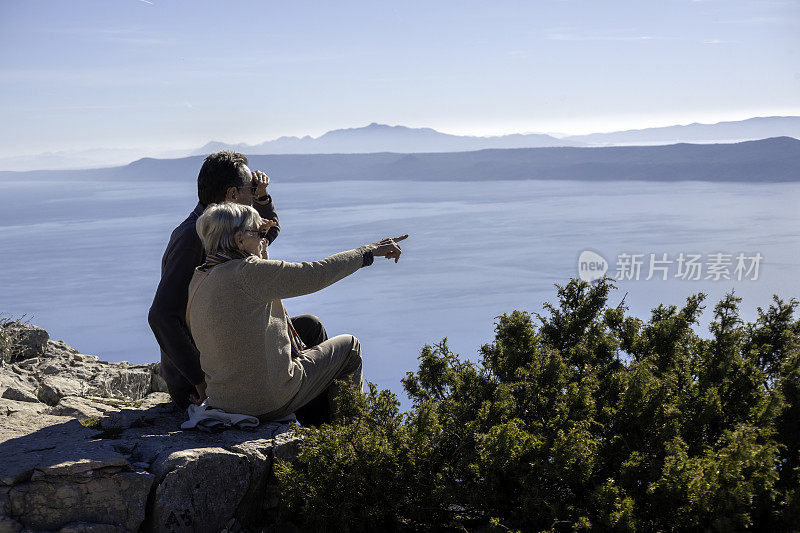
82,259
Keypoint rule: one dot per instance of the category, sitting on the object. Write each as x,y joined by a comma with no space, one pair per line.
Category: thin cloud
142,41
134,36
574,37
106,78
147,2
761,20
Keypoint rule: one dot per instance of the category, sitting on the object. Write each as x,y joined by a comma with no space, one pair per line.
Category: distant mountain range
377,138
768,160
81,159
740,130
382,138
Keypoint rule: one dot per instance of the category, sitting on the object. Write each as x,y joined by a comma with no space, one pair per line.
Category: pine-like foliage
582,418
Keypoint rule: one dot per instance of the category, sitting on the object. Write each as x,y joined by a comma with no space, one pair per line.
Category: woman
253,360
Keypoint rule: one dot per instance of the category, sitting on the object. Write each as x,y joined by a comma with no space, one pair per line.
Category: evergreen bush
584,418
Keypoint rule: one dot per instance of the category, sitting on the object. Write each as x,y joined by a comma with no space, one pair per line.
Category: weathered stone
160,403
20,394
157,383
18,387
28,340
285,446
52,369
59,474
9,525
64,347
79,466
80,408
53,388
203,492
5,503
83,527
116,380
145,412
10,407
27,364
35,441
120,420
83,358
54,502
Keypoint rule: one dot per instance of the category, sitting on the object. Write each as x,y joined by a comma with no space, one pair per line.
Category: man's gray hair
219,223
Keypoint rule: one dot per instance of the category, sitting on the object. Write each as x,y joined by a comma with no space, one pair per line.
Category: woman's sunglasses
262,233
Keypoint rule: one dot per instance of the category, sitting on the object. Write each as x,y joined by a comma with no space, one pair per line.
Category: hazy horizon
147,74
460,132
728,132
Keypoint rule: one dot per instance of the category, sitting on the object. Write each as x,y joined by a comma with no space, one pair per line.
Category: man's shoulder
184,240
185,234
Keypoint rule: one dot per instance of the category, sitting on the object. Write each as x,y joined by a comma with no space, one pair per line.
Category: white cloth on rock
206,418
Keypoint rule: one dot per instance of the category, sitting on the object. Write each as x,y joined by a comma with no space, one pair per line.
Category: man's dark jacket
180,360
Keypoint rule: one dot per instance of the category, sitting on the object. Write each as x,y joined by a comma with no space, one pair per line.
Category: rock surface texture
90,446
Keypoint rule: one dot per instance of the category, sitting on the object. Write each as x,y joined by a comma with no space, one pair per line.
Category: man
224,177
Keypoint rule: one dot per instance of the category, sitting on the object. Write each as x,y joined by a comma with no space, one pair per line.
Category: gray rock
27,364
129,466
121,380
83,527
20,394
53,388
124,419
202,492
82,358
5,503
9,525
35,441
14,386
80,408
27,340
52,465
9,407
157,383
159,403
52,369
114,497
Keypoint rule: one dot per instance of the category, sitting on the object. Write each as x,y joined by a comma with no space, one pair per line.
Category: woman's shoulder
253,266
258,262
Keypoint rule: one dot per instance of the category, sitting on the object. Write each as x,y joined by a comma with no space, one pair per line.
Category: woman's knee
355,359
355,345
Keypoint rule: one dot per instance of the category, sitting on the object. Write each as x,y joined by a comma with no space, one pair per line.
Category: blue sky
171,74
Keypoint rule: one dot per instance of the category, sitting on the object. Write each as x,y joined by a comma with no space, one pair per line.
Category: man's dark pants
315,412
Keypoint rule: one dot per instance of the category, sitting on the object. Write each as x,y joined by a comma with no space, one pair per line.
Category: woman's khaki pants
327,361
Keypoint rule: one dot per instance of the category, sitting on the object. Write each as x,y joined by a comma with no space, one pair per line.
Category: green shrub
8,337
589,419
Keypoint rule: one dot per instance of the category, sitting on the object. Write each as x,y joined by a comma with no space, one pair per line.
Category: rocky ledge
87,445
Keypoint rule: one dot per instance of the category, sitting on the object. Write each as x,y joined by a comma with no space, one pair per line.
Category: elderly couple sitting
254,359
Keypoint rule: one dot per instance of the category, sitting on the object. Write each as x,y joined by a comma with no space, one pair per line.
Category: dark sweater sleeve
167,315
267,211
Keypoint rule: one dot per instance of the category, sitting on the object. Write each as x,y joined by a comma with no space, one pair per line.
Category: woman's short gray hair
219,223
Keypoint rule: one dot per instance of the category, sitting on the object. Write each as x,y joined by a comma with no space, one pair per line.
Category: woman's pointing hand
389,248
